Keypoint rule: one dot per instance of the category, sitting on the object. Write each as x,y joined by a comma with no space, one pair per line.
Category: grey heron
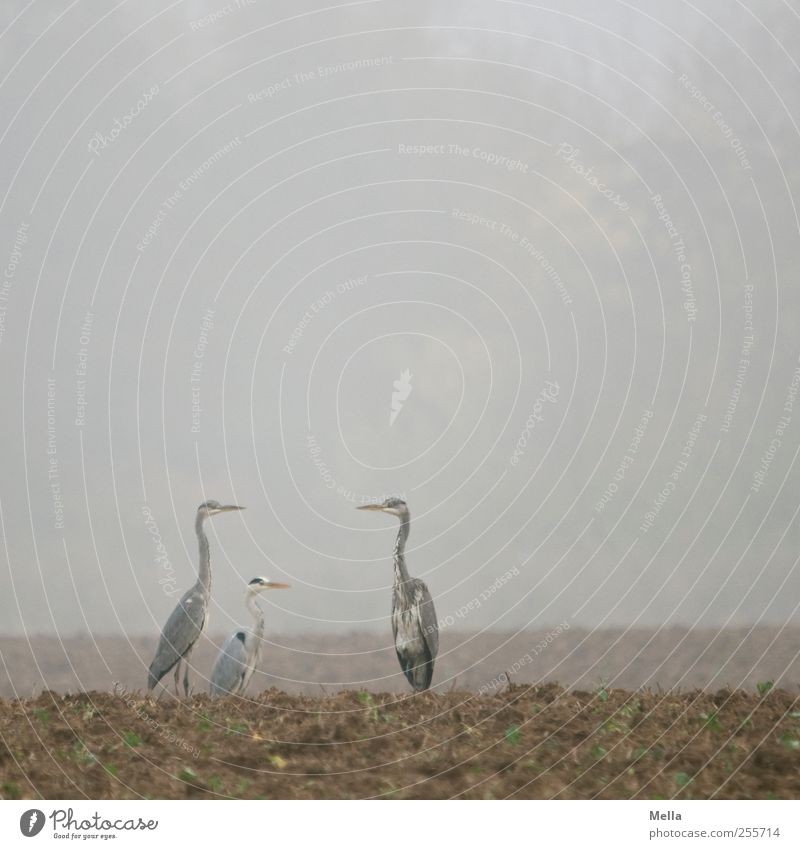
187,620
416,631
239,657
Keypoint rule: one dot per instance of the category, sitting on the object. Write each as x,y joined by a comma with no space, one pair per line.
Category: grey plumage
414,624
416,632
181,631
230,672
239,657
188,619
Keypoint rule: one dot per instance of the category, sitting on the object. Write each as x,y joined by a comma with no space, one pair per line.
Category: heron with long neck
416,631
188,619
239,657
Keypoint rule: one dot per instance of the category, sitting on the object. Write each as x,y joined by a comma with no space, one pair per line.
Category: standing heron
239,657
187,620
416,632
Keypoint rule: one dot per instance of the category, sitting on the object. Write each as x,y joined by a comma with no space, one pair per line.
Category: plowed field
521,742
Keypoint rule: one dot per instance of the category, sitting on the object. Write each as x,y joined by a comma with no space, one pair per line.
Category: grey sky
550,219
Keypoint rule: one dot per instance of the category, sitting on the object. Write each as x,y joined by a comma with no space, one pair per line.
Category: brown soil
523,742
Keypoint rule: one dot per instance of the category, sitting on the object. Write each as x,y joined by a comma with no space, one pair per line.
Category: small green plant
110,769
763,687
602,694
235,727
11,790
710,721
513,734
215,784
204,723
242,785
131,739
366,699
611,726
598,752
683,779
789,741
42,715
187,774
83,754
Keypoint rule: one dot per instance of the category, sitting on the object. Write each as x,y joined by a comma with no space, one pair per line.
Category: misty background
569,235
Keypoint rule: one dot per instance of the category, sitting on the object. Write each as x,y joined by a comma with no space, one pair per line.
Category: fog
533,270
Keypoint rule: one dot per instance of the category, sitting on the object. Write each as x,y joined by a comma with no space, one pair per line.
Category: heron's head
395,506
211,508
258,585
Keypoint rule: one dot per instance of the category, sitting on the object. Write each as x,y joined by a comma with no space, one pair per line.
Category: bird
416,631
188,619
239,657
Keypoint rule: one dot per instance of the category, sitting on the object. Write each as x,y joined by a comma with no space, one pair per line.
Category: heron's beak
228,507
274,585
370,507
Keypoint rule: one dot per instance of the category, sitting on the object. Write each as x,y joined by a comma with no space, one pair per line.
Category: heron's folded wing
226,676
181,631
427,618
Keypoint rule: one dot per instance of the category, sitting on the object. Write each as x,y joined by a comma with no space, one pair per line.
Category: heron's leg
186,672
177,675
